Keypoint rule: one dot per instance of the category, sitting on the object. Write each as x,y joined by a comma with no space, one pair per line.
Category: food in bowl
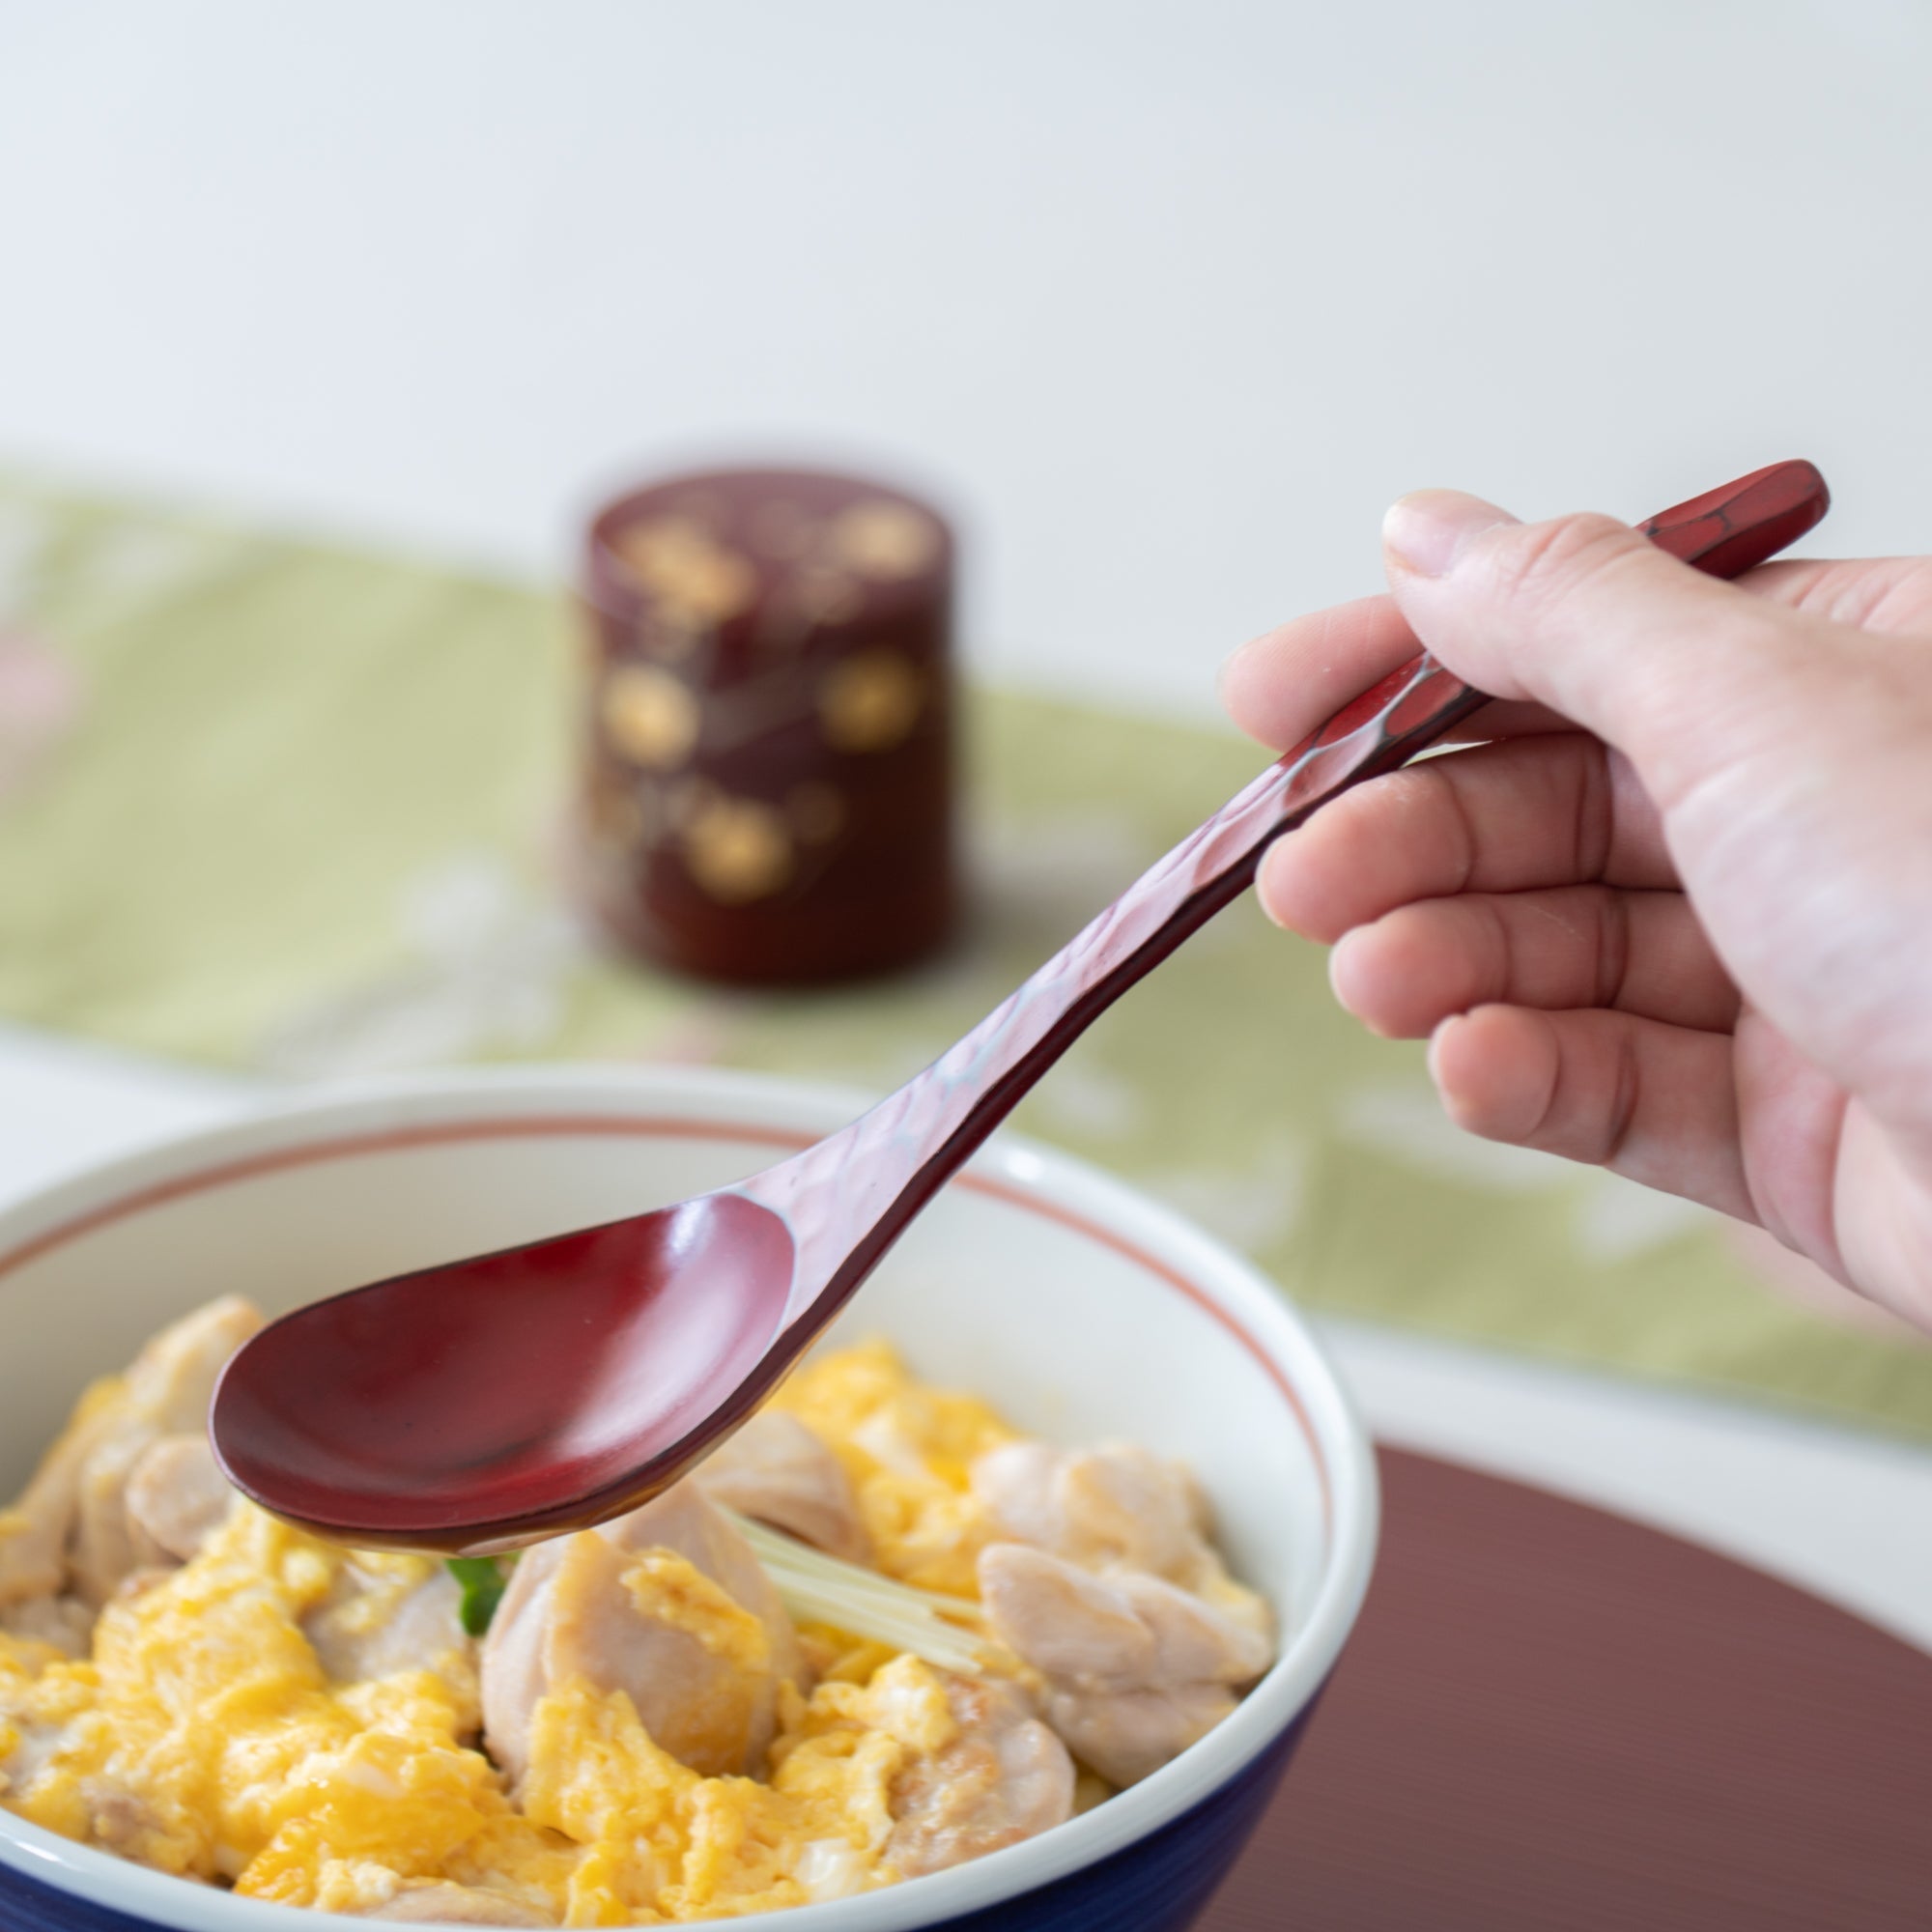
879,1634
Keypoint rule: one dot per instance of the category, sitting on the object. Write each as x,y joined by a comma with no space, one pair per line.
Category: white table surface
1166,298
1844,1513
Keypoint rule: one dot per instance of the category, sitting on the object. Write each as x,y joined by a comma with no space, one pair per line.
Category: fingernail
1225,669
1428,530
1263,882
1231,664
1338,953
1436,1043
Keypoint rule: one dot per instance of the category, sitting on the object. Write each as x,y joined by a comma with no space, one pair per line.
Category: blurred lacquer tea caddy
769,766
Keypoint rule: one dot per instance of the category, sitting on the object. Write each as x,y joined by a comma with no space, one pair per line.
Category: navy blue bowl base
1158,1884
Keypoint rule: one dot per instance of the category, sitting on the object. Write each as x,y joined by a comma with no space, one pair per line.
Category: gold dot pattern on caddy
883,540
695,580
870,701
737,849
652,717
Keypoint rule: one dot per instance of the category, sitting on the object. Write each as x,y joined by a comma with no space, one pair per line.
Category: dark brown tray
1552,1716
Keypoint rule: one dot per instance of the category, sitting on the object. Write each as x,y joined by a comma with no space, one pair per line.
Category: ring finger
1640,953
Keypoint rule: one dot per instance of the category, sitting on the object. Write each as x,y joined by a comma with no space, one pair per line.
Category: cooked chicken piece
167,1392
455,1905
1125,1631
34,1532
69,1528
1116,1511
1112,1507
1128,1735
176,1498
667,1604
780,1472
1136,1668
64,1622
1001,1778
384,1615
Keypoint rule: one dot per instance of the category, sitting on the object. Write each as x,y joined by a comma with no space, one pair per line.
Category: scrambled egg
907,1448
206,1736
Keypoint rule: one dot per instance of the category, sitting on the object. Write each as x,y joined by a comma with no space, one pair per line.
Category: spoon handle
848,1198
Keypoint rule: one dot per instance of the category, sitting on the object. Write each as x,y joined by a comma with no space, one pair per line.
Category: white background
1168,300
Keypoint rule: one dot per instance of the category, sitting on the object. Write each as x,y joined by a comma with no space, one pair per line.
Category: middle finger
1523,814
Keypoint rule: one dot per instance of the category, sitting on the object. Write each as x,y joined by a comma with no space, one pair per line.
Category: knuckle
1613,947
1542,564
1620,1118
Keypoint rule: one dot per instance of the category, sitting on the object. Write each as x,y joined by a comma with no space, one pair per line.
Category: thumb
1683,674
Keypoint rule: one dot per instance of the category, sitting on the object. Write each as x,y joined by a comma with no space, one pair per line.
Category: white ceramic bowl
1082,1309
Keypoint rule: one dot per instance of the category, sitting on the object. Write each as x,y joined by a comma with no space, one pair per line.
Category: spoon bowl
495,1399
579,1361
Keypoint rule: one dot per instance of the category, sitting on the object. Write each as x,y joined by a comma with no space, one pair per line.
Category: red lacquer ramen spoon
481,1405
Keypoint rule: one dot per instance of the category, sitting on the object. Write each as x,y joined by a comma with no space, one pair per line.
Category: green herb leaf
483,1584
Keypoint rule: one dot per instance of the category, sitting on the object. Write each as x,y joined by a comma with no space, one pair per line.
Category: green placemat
269,805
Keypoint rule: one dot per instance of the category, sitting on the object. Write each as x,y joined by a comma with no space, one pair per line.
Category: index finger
1280,686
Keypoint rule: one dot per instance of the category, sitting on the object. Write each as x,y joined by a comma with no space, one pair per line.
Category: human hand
1671,913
